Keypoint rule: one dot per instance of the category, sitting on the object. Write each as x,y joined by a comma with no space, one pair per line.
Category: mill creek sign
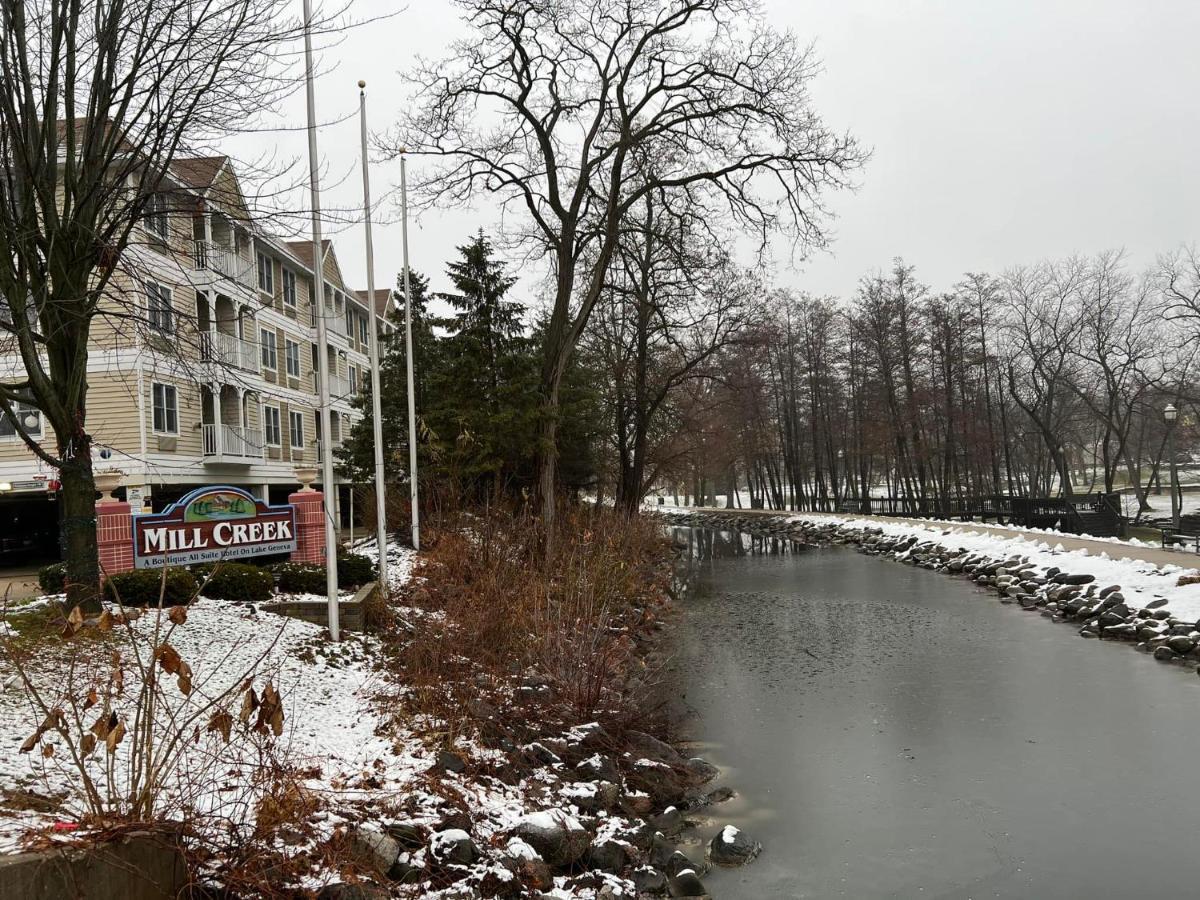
212,524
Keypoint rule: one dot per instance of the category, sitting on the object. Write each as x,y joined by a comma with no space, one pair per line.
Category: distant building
218,384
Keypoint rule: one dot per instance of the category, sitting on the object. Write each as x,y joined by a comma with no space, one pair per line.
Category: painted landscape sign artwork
212,524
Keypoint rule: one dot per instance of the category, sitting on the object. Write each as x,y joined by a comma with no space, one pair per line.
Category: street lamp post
1170,414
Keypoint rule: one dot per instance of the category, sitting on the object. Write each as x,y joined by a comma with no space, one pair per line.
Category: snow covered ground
333,733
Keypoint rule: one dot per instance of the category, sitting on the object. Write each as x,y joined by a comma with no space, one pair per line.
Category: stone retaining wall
141,866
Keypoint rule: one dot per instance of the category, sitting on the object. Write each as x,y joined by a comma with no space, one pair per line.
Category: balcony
229,350
339,387
223,261
235,444
337,445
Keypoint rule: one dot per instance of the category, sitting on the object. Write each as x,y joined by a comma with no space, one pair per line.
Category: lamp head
1170,412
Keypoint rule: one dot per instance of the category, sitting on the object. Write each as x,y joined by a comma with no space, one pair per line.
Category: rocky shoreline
1100,612
610,811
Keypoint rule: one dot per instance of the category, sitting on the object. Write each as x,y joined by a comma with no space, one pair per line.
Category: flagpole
331,586
376,400
408,353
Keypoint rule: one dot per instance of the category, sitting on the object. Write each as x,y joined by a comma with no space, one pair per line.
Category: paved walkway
1115,549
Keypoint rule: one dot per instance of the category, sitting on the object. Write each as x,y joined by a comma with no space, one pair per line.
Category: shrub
237,583
301,578
142,587
354,570
53,578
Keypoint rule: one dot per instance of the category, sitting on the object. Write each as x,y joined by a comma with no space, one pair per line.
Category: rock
648,880
407,834
687,884
1111,589
361,891
453,847
449,762
732,847
557,837
404,872
649,747
702,770
670,821
599,767
719,795
540,755
677,862
376,849
1157,604
1164,653
659,850
592,796
1065,578
1181,644
608,856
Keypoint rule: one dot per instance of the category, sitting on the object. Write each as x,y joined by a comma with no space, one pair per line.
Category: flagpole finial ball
361,83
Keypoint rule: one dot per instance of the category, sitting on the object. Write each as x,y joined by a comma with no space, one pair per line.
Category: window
362,330
266,275
271,431
289,288
166,408
29,417
349,321
270,350
296,429
353,380
155,217
158,307
292,354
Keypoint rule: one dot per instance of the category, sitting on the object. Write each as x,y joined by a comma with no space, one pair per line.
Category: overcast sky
1003,132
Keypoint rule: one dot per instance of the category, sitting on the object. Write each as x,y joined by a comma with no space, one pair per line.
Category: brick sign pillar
114,536
310,526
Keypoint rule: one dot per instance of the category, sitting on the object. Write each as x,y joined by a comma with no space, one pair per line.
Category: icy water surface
894,732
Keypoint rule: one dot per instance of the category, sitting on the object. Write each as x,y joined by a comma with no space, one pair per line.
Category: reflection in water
704,543
893,732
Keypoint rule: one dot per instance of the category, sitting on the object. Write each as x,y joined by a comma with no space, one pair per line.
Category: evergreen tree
357,455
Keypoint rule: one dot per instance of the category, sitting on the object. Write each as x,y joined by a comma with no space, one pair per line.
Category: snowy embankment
339,786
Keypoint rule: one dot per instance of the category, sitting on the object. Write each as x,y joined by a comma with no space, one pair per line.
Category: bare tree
550,105
97,102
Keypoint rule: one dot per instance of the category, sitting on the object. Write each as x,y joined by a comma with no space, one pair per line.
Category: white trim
279,423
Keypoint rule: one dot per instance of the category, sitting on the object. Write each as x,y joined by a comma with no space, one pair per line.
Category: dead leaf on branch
103,725
168,658
114,737
93,697
105,622
87,744
75,619
177,614
47,751
249,705
221,723
270,713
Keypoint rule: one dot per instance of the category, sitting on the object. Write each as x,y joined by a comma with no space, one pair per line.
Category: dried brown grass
500,624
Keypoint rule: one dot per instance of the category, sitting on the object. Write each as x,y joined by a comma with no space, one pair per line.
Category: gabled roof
198,172
303,251
383,300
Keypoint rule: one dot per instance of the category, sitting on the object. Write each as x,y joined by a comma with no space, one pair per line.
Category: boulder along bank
1099,611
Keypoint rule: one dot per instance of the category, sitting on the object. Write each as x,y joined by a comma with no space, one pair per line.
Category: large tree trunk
77,535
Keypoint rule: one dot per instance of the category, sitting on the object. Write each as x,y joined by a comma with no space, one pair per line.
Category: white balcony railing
210,257
235,441
229,350
337,445
339,387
